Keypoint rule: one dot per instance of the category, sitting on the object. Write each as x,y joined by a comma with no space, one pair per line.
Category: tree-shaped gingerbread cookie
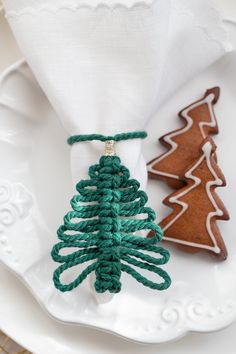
196,207
183,144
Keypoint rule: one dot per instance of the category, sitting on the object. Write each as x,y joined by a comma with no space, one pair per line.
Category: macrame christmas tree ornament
102,226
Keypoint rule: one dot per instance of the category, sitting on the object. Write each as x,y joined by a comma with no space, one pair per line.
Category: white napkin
107,65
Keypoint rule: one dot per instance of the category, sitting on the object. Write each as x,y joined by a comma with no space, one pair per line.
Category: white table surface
219,342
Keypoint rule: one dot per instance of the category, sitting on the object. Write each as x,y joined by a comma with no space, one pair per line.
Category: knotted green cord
118,137
112,199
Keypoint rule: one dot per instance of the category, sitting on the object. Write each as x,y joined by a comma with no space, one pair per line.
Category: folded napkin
106,66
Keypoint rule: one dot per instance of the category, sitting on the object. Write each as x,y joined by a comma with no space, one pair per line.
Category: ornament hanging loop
110,148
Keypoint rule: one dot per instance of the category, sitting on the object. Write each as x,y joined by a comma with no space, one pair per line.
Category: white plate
35,195
35,189
24,320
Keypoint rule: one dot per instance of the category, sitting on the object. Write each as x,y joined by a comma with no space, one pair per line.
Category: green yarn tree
101,227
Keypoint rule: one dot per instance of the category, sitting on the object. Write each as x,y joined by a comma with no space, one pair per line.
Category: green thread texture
118,137
100,230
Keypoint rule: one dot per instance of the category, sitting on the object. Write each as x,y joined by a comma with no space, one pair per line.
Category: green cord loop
101,230
117,137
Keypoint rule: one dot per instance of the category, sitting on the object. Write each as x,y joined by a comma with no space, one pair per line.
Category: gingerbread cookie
196,207
183,143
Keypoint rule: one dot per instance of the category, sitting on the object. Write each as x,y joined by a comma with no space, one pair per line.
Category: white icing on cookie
168,138
207,150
